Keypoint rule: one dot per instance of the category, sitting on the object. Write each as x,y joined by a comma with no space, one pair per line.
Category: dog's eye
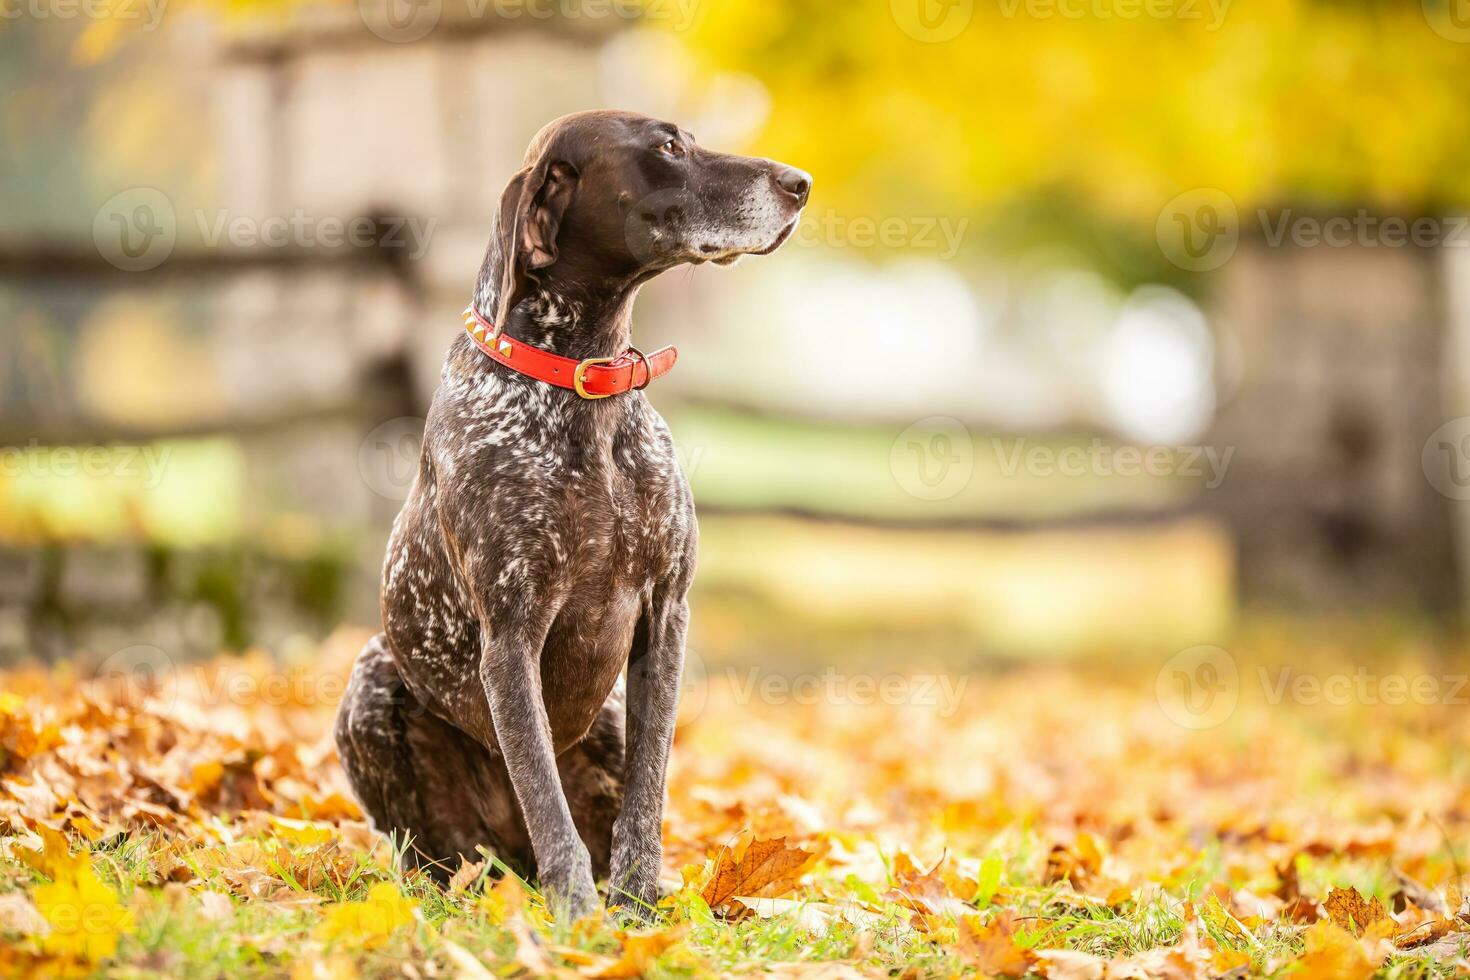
671,147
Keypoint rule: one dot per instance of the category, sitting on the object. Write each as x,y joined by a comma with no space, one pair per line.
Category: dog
522,695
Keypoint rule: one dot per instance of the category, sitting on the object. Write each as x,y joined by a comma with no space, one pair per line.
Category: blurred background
1112,325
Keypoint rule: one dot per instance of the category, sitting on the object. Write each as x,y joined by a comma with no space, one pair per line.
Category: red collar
595,377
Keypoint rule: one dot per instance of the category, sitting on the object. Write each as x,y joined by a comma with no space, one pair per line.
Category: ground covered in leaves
1064,822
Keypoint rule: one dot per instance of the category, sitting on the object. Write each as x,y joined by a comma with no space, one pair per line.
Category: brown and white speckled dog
550,540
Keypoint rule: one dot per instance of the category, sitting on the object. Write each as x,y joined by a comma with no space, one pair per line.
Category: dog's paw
570,903
570,893
632,909
635,892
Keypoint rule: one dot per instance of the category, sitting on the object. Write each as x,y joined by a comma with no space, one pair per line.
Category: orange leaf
991,947
760,867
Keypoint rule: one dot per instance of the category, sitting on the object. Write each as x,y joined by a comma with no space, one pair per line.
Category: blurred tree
1082,118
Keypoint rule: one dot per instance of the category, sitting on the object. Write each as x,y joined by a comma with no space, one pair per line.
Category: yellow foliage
1122,105
83,915
368,923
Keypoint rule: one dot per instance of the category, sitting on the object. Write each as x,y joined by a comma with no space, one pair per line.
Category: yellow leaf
503,900
309,832
84,916
368,923
1333,954
55,859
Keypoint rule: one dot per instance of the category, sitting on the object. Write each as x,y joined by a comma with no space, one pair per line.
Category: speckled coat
549,541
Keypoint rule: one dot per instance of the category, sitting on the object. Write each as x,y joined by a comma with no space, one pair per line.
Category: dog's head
618,196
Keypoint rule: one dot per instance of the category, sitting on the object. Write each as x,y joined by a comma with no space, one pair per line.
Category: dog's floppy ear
531,210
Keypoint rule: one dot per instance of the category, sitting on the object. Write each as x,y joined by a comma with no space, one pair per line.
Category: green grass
176,935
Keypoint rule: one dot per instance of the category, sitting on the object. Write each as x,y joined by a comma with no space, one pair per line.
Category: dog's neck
566,319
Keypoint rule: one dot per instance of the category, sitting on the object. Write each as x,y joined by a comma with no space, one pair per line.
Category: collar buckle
579,377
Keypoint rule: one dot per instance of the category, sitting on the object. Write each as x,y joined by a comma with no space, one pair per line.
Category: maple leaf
756,867
1350,911
368,923
925,892
991,946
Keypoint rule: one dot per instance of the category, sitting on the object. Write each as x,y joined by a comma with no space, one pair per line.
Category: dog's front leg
511,671
654,668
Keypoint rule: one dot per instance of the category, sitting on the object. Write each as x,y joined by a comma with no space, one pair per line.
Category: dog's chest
556,501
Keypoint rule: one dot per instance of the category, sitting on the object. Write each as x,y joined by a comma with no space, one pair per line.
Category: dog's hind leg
419,777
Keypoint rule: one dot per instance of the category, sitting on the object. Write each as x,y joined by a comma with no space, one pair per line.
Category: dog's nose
797,183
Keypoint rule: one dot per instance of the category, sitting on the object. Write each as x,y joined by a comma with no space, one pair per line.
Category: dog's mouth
780,239
729,257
